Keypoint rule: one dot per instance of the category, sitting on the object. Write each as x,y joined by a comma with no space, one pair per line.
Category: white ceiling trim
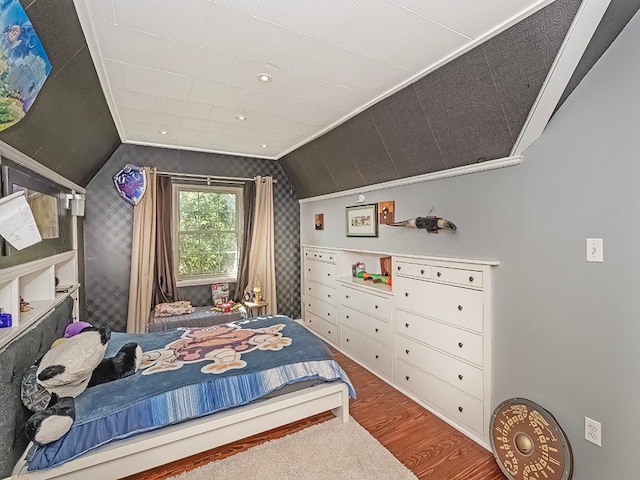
575,43
86,19
196,149
427,177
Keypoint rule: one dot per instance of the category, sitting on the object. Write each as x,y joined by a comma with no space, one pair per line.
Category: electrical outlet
592,431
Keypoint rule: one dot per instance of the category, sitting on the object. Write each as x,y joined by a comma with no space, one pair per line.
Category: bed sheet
192,372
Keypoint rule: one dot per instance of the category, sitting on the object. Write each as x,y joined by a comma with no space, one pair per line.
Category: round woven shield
528,443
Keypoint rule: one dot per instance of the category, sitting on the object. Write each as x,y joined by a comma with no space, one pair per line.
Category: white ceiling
190,67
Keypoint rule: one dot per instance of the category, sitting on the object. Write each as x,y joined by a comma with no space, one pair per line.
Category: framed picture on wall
362,220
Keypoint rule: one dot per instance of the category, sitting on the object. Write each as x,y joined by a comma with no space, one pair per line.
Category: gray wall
108,229
566,332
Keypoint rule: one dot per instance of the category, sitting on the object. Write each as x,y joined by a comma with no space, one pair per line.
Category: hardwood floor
429,447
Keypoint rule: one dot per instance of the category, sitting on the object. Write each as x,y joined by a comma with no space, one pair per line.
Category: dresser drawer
402,267
320,255
363,323
458,406
468,278
460,343
322,309
455,305
448,369
367,350
370,303
322,292
320,272
322,327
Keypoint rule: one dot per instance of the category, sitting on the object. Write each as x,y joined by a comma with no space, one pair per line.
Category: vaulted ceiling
71,126
186,74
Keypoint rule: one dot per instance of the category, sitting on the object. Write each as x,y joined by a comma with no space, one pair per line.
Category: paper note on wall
17,225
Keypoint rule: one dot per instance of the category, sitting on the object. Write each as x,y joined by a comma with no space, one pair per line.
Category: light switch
595,250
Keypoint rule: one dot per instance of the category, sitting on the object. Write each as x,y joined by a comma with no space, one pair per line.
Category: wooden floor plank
428,446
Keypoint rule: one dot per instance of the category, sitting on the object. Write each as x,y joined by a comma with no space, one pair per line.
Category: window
207,233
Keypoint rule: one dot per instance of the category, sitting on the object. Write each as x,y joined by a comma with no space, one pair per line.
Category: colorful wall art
24,65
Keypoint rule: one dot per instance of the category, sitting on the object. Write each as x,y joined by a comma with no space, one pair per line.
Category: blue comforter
188,373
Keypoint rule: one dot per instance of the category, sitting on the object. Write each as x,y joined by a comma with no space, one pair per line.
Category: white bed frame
149,450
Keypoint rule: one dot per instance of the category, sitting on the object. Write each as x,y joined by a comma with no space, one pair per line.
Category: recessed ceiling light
164,132
264,77
241,117
264,145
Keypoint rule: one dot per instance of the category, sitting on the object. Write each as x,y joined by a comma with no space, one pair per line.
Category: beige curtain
262,258
143,257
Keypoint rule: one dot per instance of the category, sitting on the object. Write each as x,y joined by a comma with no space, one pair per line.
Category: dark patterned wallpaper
108,229
470,110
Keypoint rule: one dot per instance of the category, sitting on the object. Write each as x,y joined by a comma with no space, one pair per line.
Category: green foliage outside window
207,233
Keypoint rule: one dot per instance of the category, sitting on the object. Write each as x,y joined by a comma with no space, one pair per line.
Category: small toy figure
24,306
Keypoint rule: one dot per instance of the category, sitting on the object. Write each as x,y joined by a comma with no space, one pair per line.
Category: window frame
175,229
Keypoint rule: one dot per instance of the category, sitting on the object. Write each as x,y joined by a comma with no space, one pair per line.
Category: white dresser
366,319
428,335
442,335
320,297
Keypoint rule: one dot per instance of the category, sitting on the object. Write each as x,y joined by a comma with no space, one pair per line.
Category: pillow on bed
173,308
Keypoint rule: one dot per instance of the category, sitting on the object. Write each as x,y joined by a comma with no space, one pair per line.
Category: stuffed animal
64,372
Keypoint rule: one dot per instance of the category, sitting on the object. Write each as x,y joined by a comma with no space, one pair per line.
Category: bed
234,380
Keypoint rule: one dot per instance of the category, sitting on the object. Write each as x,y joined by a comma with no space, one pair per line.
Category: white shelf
377,287
35,283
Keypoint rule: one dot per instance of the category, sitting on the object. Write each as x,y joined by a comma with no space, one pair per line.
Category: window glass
208,232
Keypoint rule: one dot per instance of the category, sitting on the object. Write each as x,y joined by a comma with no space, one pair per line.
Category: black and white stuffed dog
64,372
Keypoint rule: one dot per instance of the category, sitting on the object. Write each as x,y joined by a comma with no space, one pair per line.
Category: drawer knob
347,296
460,344
328,314
347,339
309,269
471,279
460,409
309,304
407,377
406,325
407,352
309,288
328,296
377,356
460,377
460,307
398,267
328,274
347,316
376,330
439,274
406,294
376,306
329,332
422,272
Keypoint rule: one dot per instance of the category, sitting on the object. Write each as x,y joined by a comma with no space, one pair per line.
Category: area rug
331,450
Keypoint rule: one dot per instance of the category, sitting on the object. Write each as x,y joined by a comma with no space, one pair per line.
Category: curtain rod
197,176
